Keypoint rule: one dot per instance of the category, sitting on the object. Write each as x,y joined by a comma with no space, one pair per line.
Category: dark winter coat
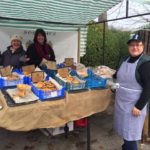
12,59
34,58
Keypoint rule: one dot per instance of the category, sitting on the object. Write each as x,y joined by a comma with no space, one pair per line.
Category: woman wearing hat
40,49
133,94
14,55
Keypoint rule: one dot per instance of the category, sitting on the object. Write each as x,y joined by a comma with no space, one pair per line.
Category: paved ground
103,138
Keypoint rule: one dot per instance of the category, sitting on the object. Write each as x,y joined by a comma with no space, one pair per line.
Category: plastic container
71,87
18,71
1,83
61,65
49,72
93,80
81,123
26,79
10,83
49,94
96,82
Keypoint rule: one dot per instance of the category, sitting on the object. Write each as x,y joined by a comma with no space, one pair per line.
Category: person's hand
24,59
27,59
136,112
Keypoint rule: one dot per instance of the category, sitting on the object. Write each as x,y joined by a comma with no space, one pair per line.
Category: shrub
115,46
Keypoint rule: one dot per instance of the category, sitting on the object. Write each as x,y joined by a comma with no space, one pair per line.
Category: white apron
128,126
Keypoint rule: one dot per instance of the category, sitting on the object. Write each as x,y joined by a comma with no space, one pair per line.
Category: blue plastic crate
71,87
49,94
1,83
61,65
49,72
97,82
93,80
8,83
18,71
26,79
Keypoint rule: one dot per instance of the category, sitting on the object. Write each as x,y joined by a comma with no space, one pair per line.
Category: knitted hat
16,37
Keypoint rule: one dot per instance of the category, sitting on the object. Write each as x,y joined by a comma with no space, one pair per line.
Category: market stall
36,100
54,16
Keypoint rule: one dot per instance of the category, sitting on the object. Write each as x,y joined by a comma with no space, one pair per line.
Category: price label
28,69
54,94
51,65
6,71
63,72
69,62
37,76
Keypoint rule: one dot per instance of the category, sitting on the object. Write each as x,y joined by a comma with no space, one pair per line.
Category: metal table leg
66,129
88,134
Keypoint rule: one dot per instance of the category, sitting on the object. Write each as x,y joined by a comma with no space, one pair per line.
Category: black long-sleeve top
144,72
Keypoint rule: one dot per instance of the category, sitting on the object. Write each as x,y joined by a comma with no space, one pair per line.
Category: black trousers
129,145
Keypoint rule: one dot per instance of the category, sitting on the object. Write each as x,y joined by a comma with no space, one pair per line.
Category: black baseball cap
136,38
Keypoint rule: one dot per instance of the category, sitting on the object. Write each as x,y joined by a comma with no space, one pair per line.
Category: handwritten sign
28,69
69,62
63,72
51,65
37,76
6,71
43,62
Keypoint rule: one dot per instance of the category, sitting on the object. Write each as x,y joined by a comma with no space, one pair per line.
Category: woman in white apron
132,95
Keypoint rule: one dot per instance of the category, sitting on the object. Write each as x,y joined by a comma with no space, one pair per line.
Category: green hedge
115,46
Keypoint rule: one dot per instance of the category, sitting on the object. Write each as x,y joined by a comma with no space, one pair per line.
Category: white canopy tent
66,18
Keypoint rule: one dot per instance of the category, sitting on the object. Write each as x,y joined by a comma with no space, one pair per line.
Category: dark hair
40,31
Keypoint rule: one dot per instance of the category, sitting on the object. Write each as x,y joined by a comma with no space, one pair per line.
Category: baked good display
82,72
22,94
72,80
23,90
69,79
75,81
12,77
104,71
46,86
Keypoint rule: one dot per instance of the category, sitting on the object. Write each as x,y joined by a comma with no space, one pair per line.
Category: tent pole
78,54
122,18
127,7
88,133
104,33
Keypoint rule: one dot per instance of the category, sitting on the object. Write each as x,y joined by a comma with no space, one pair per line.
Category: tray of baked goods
20,95
92,80
12,80
8,78
46,90
71,83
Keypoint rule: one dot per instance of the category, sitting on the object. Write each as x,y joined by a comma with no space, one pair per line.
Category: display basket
69,86
92,80
45,95
5,83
